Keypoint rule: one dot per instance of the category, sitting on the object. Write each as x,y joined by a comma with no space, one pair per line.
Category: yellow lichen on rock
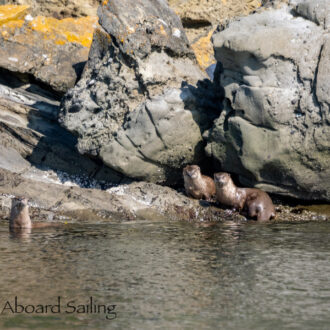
10,13
78,30
8,29
203,49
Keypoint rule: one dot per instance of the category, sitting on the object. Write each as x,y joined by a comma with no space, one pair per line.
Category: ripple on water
172,275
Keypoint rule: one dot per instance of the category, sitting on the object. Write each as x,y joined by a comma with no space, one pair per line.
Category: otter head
221,179
19,203
19,214
192,172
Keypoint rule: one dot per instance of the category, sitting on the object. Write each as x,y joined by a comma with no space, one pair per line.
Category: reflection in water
20,233
170,275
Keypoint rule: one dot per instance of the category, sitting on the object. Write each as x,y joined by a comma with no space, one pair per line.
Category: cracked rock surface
274,131
142,104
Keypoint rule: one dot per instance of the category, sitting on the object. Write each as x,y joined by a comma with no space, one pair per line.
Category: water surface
171,275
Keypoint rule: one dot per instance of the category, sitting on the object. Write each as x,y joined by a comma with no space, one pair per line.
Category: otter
197,185
19,214
256,201
20,218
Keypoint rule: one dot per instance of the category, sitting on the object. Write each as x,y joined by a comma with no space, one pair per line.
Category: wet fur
20,218
256,201
19,214
197,185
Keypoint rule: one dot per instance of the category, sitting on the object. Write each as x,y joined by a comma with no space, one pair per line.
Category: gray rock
141,105
134,201
30,135
274,130
12,161
316,11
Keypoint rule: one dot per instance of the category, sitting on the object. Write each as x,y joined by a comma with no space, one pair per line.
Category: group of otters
255,201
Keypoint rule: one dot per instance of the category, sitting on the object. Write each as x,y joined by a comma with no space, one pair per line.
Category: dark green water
170,276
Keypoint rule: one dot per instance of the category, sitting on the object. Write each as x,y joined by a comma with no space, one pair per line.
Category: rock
59,9
52,51
135,201
274,130
201,17
315,11
203,49
30,134
38,160
12,13
50,199
11,160
142,103
198,16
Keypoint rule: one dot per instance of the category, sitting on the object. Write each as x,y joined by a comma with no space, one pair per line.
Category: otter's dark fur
256,201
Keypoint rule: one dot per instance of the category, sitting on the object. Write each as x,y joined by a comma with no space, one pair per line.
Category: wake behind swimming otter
256,201
20,218
197,185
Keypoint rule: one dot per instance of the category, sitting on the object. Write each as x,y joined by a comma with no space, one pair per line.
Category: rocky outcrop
274,131
30,135
201,17
56,198
38,160
52,200
142,104
198,15
59,8
49,50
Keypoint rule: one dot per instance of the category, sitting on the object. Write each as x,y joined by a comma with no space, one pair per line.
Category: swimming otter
256,201
197,185
19,214
20,218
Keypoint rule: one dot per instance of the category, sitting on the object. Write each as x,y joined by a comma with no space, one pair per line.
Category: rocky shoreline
143,107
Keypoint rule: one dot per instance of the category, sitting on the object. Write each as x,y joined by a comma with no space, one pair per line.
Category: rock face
201,17
30,135
52,51
274,131
59,8
142,104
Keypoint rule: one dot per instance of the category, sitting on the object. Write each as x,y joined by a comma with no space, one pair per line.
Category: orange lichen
162,30
66,30
204,51
8,29
105,2
10,13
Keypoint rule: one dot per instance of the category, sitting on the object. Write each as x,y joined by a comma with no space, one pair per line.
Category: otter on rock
20,218
256,201
197,185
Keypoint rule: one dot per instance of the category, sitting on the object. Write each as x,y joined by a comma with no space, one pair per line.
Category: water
171,275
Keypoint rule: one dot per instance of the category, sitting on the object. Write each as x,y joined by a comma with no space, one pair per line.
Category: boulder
59,9
274,129
51,51
143,103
